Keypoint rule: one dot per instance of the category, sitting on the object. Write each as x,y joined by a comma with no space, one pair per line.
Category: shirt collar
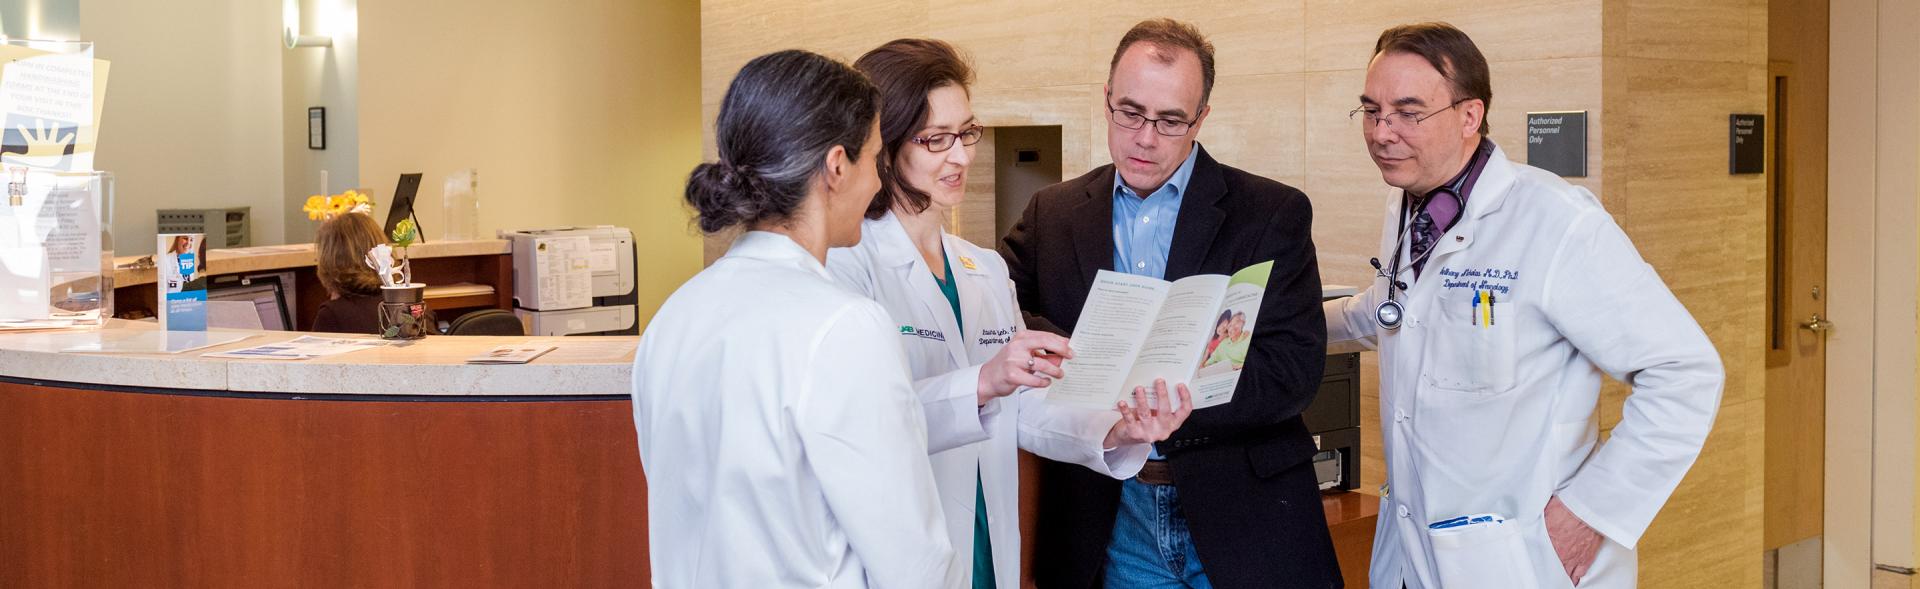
890,243
1462,183
1176,183
778,249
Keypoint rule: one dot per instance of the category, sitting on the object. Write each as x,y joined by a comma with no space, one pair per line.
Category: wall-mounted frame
317,127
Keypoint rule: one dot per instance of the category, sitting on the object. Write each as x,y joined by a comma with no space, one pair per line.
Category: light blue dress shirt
1143,227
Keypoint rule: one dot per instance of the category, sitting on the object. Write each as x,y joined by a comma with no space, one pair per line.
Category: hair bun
735,175
721,193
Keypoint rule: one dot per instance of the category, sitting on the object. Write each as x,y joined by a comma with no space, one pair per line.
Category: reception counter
390,467
398,466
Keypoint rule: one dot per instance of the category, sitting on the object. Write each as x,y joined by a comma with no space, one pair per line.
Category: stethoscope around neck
1390,314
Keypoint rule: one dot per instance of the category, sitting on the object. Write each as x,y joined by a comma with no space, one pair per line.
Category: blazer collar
1193,231
1200,218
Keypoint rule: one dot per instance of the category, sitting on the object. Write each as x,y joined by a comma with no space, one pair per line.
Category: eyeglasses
939,142
1130,120
1371,116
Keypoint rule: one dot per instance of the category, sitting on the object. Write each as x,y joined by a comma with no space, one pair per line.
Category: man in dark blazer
1231,499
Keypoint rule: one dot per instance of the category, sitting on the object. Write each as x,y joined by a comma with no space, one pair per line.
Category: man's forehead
1149,83
1392,80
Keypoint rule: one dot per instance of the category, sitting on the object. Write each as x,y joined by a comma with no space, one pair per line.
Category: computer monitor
270,294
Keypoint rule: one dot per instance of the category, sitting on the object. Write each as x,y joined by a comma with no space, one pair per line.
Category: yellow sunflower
316,207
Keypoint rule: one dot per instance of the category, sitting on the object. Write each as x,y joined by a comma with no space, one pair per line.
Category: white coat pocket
1485,556
1470,349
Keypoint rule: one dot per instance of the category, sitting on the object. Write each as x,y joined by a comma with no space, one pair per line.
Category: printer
1334,415
575,280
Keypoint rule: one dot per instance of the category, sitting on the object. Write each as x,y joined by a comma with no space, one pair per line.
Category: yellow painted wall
1657,79
578,113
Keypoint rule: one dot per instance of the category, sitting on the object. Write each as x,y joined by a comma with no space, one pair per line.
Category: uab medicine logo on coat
923,333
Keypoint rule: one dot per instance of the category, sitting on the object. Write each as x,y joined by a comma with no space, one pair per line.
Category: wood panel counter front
391,467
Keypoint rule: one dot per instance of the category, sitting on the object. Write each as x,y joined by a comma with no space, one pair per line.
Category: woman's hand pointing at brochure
1031,359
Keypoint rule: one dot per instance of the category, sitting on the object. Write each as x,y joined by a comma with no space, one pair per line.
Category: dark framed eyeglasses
1133,121
939,142
1371,116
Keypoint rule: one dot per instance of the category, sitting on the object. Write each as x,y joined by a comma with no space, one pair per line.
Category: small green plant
404,233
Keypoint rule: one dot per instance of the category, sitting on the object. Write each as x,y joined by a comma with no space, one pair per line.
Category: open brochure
301,348
1134,329
512,354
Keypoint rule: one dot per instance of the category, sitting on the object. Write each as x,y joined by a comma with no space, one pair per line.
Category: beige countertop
432,366
279,257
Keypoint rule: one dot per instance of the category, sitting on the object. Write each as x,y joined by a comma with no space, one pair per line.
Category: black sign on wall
1557,142
1747,144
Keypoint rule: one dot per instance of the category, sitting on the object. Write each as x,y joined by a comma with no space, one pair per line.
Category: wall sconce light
290,30
295,39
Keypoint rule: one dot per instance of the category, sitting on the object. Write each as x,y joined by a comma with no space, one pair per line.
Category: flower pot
403,312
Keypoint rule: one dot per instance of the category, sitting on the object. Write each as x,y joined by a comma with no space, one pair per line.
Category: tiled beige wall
1658,80
1672,73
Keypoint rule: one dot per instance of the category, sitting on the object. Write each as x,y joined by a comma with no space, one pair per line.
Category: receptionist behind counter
340,251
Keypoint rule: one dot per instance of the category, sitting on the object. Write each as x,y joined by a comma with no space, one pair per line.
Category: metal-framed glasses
1371,115
1133,121
939,142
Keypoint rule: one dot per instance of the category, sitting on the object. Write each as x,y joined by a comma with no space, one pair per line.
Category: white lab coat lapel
978,307
1488,194
899,255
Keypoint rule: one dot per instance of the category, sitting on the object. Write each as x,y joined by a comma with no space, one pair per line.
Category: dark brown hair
906,70
783,112
1170,34
1450,52
340,251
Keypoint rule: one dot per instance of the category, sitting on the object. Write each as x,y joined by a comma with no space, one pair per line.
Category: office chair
487,322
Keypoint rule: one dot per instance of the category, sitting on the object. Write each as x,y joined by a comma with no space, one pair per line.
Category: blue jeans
1151,548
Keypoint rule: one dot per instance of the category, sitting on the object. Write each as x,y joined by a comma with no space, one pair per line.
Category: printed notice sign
1557,142
1747,144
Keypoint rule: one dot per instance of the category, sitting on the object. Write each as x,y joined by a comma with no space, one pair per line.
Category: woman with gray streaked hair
779,432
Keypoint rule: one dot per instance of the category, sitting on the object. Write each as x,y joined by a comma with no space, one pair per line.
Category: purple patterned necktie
1442,207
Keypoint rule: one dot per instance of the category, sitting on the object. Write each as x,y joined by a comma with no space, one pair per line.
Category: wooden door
1796,300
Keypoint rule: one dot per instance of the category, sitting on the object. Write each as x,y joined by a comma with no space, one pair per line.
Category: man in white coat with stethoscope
1503,294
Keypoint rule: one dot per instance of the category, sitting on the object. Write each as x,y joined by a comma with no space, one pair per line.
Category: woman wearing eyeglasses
979,374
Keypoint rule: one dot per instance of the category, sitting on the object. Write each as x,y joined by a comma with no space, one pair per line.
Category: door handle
1817,324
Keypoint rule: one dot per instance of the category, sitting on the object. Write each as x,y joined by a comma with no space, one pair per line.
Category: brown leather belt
1156,472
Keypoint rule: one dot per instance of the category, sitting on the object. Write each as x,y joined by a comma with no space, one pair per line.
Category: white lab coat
945,363
1500,418
781,438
